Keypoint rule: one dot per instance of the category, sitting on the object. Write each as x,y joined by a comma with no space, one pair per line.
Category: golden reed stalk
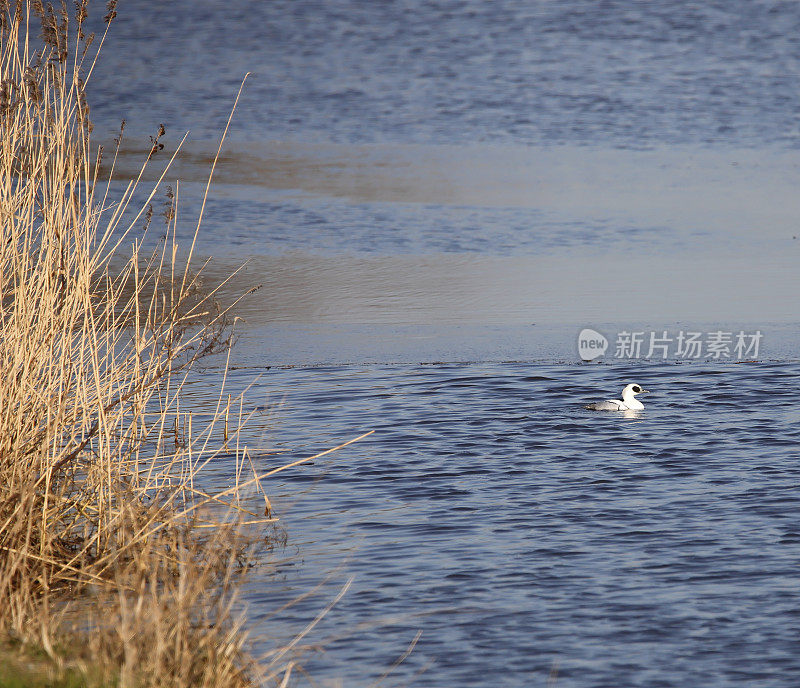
107,561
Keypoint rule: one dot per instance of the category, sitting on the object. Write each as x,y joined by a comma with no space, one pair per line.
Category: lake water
517,530
437,197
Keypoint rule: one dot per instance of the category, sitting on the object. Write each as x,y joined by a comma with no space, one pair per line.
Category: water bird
629,401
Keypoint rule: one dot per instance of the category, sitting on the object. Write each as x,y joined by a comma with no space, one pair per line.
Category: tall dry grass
112,560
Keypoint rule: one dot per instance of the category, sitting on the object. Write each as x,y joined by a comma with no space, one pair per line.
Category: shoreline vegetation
116,568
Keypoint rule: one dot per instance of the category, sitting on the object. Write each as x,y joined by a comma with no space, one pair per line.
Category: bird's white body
629,401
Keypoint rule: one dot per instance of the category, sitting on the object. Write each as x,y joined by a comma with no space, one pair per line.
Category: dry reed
103,565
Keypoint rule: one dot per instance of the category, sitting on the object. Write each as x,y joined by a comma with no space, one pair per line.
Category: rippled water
437,197
452,71
518,530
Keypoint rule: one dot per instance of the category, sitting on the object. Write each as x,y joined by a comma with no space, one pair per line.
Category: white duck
629,401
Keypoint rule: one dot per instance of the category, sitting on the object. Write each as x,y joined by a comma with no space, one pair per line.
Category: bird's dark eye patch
637,389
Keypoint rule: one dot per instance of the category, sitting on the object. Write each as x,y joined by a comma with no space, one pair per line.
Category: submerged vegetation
115,567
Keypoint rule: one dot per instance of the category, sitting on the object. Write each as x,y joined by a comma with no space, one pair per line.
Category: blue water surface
524,535
529,540
620,73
